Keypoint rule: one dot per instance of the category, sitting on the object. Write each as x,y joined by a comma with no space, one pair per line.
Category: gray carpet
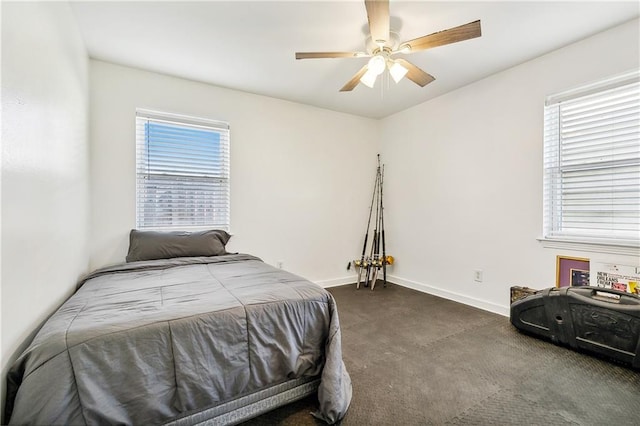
417,359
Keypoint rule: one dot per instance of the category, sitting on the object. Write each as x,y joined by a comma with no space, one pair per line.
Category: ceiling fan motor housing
390,45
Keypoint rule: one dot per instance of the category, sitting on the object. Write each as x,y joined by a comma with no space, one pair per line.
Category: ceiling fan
384,43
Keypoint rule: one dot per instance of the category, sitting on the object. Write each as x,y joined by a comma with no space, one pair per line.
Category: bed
182,340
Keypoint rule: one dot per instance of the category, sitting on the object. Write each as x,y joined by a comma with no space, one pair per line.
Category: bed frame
249,406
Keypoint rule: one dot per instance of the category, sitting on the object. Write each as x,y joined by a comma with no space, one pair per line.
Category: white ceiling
250,46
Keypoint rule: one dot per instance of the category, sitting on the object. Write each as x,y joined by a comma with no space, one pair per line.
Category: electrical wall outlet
477,275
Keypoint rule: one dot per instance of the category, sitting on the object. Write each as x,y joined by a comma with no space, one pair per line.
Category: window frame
143,172
578,242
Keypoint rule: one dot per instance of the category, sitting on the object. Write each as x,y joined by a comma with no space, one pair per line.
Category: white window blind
182,167
592,163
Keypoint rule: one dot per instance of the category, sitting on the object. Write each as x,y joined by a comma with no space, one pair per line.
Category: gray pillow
149,245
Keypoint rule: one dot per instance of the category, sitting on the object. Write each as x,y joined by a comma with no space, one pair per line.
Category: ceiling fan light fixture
376,65
397,71
383,42
369,79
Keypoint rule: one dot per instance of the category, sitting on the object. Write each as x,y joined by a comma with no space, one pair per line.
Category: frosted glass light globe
377,64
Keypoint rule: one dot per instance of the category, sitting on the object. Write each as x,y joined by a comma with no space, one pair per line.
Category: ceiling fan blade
415,74
452,35
351,84
378,14
316,55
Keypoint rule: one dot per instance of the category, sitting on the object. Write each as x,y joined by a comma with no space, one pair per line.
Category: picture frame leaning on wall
571,271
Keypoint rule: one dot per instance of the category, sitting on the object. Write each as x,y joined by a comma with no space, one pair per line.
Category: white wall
463,179
462,183
300,176
45,177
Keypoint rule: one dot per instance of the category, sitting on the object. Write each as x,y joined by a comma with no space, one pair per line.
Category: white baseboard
337,282
456,297
424,288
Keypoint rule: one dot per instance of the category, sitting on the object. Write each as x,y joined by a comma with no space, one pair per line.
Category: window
182,168
592,163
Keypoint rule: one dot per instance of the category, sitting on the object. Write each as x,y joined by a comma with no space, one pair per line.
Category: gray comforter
146,342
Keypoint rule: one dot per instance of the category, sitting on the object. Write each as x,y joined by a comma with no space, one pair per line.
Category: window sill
590,246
